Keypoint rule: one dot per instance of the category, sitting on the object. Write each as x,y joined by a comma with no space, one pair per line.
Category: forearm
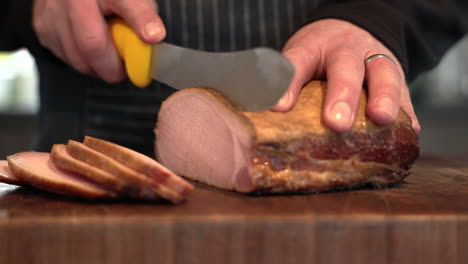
417,32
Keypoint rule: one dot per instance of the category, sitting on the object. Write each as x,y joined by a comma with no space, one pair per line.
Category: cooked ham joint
203,137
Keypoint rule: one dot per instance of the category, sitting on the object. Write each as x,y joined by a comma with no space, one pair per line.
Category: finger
407,106
345,74
71,51
94,40
384,84
305,65
45,29
52,43
142,17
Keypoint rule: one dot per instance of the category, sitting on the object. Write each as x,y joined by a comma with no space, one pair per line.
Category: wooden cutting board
424,220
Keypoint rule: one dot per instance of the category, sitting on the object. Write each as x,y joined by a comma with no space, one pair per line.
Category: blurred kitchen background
440,98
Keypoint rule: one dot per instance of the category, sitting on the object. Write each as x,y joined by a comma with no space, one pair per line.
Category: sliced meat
39,171
62,159
203,137
149,187
6,176
141,163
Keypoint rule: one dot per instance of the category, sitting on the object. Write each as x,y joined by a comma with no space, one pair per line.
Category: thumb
143,18
305,66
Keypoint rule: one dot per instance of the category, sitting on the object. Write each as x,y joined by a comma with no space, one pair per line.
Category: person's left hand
335,50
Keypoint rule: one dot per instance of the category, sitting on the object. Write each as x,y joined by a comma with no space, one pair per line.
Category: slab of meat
37,170
203,137
6,176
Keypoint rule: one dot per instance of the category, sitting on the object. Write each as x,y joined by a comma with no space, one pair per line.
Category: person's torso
125,114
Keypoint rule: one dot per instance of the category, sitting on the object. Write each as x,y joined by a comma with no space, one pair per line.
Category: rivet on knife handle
135,53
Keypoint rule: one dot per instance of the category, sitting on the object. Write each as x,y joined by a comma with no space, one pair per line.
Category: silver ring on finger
378,56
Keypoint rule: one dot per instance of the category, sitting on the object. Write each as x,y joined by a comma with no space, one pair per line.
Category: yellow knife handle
135,53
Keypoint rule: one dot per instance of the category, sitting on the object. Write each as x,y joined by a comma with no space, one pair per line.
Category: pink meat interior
38,163
200,138
5,171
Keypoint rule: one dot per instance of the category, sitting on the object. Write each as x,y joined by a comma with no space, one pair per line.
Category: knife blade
253,80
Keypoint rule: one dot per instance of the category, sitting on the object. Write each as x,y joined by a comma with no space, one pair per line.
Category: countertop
423,220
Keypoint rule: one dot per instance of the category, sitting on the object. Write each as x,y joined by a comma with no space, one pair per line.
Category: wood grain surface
423,220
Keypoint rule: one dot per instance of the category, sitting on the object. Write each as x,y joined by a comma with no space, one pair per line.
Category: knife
253,80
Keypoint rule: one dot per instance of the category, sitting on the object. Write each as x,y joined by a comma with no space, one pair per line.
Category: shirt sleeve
418,32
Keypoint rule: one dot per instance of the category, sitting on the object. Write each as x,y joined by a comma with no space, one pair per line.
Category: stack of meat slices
94,169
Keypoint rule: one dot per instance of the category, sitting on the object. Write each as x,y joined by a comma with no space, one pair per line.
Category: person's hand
76,31
335,50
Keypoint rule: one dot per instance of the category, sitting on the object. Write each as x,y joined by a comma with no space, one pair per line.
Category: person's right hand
76,31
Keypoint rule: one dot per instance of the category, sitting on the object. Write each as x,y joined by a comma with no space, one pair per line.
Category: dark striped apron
126,115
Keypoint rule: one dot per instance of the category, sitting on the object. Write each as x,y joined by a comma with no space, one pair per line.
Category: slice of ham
144,185
6,176
140,163
62,159
39,171
202,136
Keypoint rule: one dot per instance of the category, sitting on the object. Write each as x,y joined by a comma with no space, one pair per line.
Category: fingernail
284,101
341,114
416,128
152,29
385,105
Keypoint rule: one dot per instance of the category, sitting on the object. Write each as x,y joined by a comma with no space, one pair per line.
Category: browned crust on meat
305,118
326,175
297,152
35,179
396,147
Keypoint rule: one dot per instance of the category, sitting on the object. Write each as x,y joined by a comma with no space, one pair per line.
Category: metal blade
253,80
